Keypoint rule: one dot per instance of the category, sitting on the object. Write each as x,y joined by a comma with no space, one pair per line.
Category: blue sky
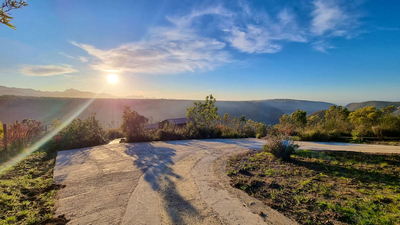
335,51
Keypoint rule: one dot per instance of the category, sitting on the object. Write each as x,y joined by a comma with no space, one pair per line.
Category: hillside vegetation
376,104
331,124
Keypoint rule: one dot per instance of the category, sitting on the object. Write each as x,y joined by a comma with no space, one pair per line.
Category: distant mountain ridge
376,104
69,93
45,109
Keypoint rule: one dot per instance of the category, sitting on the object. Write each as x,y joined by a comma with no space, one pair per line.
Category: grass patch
323,187
27,192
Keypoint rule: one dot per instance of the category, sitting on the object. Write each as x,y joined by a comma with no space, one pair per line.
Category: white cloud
186,45
168,51
322,46
262,34
66,55
46,70
252,40
81,58
332,18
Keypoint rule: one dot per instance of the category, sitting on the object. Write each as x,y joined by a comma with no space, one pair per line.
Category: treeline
338,121
203,122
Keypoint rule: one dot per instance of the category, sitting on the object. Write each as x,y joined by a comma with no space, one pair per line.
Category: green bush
132,126
79,134
281,147
114,133
165,135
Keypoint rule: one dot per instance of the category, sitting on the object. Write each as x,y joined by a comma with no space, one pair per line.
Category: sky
324,50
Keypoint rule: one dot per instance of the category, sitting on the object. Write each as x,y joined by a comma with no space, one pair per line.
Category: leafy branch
7,6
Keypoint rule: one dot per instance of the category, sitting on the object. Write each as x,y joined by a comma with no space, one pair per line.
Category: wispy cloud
333,18
81,58
322,46
186,46
248,30
263,34
46,70
168,51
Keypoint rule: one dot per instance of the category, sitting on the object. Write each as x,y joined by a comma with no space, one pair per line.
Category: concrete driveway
177,182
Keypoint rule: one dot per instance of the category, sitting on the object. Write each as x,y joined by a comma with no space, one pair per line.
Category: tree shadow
155,163
356,157
251,143
364,174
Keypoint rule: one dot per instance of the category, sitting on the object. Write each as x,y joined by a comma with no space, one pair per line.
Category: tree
243,119
389,125
204,116
226,119
336,119
315,121
388,110
368,116
132,125
299,118
6,7
364,119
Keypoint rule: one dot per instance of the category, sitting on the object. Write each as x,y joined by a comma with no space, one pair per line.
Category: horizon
184,99
315,50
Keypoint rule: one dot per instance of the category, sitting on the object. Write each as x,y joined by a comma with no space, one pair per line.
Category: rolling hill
69,93
376,104
45,109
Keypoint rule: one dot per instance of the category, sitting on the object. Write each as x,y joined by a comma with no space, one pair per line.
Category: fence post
5,140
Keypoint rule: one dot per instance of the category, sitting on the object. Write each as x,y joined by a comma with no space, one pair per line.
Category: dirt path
177,182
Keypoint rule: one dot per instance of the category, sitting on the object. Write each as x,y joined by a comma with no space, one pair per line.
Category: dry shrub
281,147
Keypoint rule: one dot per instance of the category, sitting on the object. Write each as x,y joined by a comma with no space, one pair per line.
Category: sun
112,78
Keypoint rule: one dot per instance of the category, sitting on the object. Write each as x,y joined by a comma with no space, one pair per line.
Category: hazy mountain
70,93
47,108
377,104
320,113
290,105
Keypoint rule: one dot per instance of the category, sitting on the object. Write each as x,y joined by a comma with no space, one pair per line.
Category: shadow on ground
244,142
366,167
155,162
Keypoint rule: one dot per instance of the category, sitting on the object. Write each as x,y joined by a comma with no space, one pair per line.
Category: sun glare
112,78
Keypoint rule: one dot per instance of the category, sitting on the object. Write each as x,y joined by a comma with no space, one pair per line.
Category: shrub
114,133
21,135
132,125
165,135
280,146
79,134
204,117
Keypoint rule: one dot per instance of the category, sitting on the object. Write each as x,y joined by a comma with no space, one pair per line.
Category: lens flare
26,152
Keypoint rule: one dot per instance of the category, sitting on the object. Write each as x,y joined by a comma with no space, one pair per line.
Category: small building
176,122
153,126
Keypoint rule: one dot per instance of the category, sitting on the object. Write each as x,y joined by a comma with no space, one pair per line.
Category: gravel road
176,182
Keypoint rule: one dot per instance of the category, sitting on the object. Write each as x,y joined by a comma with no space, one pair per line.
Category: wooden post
5,140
